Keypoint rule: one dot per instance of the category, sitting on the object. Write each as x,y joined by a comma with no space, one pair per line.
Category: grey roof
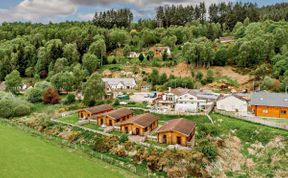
116,81
269,99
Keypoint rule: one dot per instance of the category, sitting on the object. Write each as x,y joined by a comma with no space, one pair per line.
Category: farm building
177,131
87,113
267,104
115,116
232,103
139,125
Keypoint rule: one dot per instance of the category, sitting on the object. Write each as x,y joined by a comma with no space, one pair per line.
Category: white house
119,83
186,100
232,103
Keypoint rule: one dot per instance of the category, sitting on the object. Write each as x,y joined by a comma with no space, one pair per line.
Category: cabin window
283,112
265,111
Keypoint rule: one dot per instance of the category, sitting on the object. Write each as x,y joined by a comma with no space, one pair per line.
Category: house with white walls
232,103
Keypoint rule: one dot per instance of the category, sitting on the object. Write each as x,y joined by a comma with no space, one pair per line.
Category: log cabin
265,104
177,131
115,116
139,125
94,111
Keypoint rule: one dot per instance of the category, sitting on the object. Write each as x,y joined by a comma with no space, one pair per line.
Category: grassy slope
24,156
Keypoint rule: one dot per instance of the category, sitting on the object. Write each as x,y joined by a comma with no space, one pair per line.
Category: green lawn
23,155
72,119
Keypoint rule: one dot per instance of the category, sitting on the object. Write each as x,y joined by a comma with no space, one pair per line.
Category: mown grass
23,155
72,119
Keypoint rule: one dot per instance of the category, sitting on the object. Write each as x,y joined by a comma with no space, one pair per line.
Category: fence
254,119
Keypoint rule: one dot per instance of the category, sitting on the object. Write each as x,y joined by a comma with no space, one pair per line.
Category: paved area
140,97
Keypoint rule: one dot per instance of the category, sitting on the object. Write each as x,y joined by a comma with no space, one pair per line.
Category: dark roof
269,99
183,126
99,109
119,113
143,120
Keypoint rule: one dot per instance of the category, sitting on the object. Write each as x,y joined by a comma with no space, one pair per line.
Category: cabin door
137,131
164,139
179,140
110,122
81,115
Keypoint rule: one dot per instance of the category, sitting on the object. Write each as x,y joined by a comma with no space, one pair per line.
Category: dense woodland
68,53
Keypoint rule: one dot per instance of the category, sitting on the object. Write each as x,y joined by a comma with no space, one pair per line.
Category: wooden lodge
265,104
115,116
177,131
94,111
139,125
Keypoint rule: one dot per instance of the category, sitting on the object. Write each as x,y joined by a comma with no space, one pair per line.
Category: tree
93,89
154,77
199,76
210,76
169,41
162,79
51,96
98,48
90,62
13,82
221,57
63,80
141,57
71,53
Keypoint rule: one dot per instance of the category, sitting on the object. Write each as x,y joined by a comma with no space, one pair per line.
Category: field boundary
82,148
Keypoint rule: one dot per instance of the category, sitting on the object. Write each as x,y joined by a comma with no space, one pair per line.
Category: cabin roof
119,113
143,120
269,99
181,125
99,109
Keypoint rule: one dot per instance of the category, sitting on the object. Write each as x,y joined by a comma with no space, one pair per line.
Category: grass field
23,155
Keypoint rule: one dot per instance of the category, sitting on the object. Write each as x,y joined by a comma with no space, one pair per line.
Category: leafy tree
162,79
71,53
90,62
13,82
93,89
98,48
63,80
141,57
154,77
210,76
199,76
221,57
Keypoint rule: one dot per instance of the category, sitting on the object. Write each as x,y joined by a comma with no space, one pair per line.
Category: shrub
21,110
209,150
51,96
209,129
123,138
34,95
116,103
70,98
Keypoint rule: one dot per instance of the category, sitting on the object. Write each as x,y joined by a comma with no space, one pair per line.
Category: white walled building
232,103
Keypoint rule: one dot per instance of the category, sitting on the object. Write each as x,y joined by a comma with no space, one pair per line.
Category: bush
51,96
34,95
208,129
70,98
21,110
123,138
116,103
209,150
13,107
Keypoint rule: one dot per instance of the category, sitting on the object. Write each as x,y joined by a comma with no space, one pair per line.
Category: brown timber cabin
177,131
115,116
140,124
94,111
